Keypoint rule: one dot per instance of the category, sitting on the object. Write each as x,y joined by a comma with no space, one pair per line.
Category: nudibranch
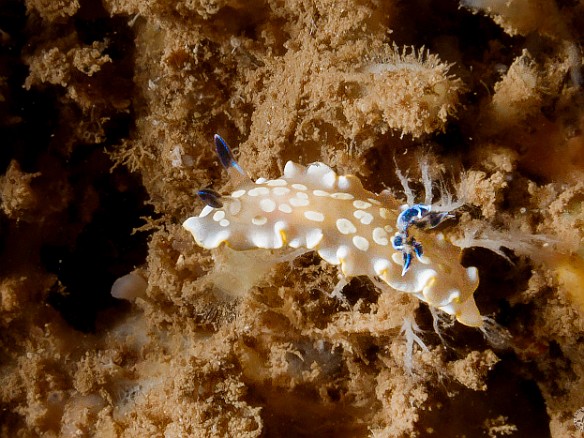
361,232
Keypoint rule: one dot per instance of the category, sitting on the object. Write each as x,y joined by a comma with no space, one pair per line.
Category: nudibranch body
314,208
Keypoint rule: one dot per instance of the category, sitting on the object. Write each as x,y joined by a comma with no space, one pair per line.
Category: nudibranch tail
313,208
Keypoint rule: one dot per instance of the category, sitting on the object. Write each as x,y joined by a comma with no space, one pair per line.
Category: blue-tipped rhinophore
225,155
210,197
